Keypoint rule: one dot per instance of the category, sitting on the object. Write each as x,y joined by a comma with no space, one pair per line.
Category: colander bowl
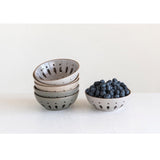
49,85
57,72
57,88
108,104
57,103
55,94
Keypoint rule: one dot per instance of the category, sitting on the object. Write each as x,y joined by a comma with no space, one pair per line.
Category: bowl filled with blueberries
108,96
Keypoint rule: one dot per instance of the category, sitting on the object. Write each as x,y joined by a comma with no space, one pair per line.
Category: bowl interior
56,69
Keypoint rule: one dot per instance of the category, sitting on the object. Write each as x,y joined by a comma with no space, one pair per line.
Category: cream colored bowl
58,88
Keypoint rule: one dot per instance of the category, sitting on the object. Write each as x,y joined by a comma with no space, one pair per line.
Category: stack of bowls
56,83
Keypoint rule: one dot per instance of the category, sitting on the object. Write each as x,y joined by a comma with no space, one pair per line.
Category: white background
129,52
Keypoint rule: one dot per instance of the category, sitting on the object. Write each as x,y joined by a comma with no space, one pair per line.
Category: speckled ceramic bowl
56,94
57,72
51,85
58,88
57,103
108,104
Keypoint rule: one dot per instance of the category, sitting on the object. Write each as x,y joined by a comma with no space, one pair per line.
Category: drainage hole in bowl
63,106
60,69
44,75
71,71
107,107
49,72
121,105
55,71
100,106
115,107
66,69
50,107
56,107
41,78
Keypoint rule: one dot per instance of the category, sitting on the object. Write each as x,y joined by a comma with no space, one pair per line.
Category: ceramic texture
57,103
108,104
58,88
56,94
57,71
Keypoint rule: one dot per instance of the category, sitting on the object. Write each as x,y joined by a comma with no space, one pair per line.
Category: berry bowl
56,103
61,88
108,96
107,104
55,94
57,72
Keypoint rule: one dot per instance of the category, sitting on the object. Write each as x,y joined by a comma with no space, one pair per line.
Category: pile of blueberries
110,89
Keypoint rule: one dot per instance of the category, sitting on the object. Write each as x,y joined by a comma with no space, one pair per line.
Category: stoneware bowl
56,94
57,103
58,88
57,71
51,85
108,104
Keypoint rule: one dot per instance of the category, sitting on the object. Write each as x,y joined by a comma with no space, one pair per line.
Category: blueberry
108,88
92,86
115,87
91,94
92,90
98,87
120,88
123,85
103,85
105,96
122,94
87,90
102,93
117,92
118,83
116,96
97,93
96,83
127,92
103,89
114,80
111,92
109,82
102,81
108,96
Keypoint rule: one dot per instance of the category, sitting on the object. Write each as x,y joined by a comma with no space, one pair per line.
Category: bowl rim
34,87
56,98
53,60
109,98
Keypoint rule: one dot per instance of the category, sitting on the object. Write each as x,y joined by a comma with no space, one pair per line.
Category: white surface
129,52
22,114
